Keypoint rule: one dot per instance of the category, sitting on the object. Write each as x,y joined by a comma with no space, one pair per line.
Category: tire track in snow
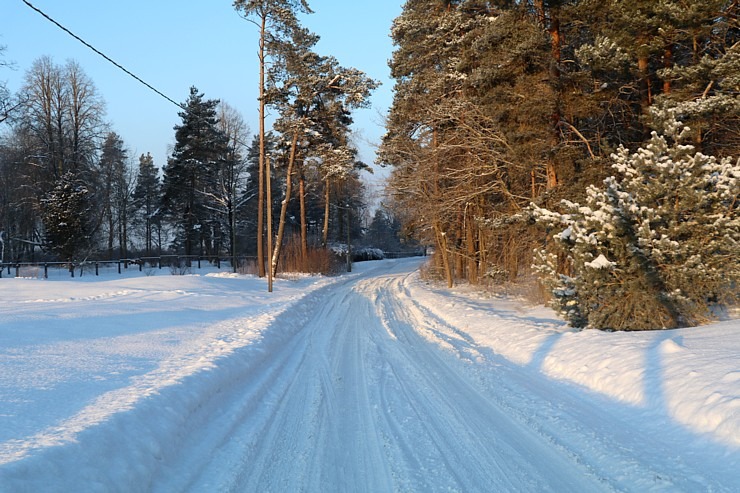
357,400
479,447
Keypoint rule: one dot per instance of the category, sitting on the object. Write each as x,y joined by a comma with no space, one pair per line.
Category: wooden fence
13,269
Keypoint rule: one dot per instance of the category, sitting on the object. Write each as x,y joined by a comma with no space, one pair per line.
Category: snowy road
373,382
359,401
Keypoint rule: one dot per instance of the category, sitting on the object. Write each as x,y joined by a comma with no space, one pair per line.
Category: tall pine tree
275,19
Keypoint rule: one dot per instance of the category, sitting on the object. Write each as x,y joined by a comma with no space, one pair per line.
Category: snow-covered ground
373,381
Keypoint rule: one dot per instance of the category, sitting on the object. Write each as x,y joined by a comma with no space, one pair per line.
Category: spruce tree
190,175
114,191
66,212
146,201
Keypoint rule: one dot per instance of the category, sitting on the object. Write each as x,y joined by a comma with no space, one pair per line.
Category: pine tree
276,19
655,248
430,39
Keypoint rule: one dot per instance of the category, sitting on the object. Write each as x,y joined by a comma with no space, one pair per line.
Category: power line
118,65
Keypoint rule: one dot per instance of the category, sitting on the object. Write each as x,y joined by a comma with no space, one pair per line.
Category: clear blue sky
174,44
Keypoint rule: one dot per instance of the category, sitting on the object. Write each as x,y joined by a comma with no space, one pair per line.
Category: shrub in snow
655,248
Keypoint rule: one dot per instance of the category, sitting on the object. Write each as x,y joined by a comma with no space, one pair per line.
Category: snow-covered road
370,382
359,401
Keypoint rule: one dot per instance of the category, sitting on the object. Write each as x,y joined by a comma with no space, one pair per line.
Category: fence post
17,270
97,268
46,270
141,265
119,266
199,261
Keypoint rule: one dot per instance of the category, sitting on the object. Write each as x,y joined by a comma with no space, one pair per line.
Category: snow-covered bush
655,248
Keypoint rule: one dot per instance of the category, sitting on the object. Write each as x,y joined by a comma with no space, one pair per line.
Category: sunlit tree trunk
325,230
284,206
262,169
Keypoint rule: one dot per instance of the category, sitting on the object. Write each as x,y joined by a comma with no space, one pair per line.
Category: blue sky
173,45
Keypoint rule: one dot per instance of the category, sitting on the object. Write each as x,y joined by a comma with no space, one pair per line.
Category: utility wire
128,72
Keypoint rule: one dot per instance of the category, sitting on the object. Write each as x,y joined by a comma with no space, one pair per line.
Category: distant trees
7,103
70,190
115,188
49,157
63,116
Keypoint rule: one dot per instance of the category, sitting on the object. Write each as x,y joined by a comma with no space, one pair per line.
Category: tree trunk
304,226
269,222
667,63
261,166
555,50
325,230
232,236
111,234
471,251
442,245
284,206
643,65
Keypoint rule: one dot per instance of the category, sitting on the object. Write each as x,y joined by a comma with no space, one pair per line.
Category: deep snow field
370,381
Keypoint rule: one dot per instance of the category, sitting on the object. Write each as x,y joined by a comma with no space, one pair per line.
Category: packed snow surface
372,381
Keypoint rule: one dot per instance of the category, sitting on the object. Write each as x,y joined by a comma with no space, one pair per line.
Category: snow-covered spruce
655,247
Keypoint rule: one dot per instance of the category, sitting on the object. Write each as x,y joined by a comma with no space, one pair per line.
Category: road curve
358,400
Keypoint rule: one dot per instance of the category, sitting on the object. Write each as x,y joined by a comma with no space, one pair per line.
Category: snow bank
691,375
111,369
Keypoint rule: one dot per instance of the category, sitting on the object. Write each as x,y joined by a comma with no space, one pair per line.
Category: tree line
72,191
508,117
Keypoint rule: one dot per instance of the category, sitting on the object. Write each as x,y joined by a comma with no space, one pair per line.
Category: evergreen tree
705,93
114,192
430,39
146,202
654,248
190,176
276,19
66,213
